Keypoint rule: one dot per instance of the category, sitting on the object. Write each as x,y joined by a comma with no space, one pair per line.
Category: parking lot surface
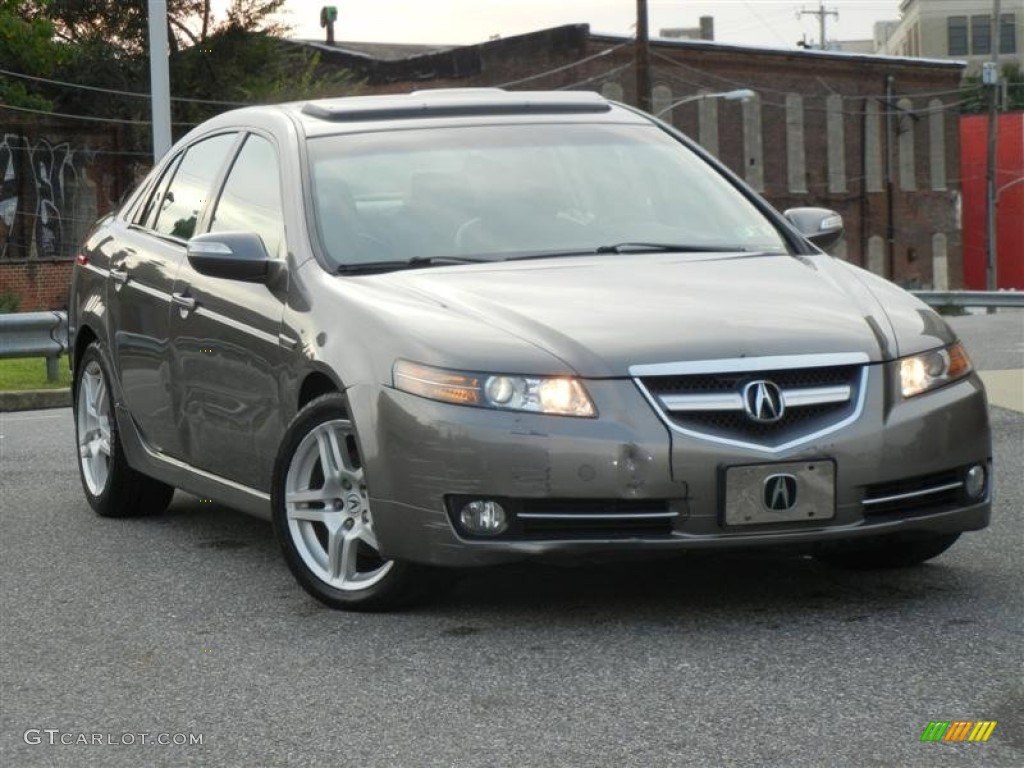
189,624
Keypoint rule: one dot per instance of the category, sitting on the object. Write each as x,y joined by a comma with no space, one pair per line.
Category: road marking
1005,388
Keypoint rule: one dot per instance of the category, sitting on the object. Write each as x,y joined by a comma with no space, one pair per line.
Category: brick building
873,137
56,178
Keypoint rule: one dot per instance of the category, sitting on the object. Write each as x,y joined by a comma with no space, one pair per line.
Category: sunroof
455,102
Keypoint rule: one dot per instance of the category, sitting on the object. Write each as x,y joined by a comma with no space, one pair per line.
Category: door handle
119,274
184,303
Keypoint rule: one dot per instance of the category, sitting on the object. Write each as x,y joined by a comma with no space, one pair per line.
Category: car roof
361,113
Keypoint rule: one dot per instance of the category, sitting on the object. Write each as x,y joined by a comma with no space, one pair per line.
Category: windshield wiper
419,261
630,247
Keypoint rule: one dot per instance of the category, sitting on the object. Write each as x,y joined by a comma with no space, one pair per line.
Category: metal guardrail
35,334
971,298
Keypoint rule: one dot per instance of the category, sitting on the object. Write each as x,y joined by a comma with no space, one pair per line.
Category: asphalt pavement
188,625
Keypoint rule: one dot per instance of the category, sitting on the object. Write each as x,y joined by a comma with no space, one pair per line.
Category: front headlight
555,395
927,371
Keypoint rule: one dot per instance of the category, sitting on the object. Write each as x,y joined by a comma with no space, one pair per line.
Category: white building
955,29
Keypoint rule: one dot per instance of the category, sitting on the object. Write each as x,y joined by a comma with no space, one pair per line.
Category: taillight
81,259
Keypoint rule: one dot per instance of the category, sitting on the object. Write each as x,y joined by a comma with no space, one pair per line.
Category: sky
755,22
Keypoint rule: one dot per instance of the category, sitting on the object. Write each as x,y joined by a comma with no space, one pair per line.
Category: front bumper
420,454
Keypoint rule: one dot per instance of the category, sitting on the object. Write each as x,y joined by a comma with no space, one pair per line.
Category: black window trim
143,210
172,166
206,220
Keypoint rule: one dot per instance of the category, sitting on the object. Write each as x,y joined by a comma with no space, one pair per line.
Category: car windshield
506,191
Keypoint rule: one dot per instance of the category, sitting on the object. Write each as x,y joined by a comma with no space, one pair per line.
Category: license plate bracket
786,492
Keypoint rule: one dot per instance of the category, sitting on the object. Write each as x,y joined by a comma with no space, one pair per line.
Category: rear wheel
889,552
112,488
323,519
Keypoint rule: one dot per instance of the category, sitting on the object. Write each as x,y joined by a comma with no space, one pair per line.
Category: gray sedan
460,328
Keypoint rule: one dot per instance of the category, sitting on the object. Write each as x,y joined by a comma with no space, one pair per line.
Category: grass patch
950,310
31,374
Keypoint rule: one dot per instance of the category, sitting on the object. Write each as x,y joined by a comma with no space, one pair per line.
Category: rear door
225,333
141,278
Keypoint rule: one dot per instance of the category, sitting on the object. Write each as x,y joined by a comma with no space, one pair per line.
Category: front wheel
888,552
322,515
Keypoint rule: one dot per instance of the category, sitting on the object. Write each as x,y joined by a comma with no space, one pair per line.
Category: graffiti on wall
48,199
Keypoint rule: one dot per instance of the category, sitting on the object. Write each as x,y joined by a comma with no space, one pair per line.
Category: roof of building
376,51
710,45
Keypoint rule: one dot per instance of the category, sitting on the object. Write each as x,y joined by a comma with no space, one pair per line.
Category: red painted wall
1010,213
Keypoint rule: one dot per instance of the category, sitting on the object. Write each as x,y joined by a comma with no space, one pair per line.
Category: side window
251,200
146,216
191,186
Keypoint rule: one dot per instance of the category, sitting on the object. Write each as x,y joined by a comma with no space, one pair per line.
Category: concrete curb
34,399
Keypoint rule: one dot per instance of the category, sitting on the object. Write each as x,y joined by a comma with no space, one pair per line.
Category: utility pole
992,82
643,58
159,78
822,14
890,182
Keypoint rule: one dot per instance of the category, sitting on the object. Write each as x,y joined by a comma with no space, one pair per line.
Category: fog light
485,518
974,481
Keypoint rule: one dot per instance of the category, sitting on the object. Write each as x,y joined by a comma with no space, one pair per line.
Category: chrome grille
916,493
718,406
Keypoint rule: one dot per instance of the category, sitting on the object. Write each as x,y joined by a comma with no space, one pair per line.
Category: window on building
981,35
1007,33
956,29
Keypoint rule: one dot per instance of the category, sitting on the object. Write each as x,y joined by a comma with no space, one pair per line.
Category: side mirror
821,226
231,255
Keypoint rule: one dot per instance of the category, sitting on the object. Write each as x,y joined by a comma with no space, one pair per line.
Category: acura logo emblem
762,400
779,493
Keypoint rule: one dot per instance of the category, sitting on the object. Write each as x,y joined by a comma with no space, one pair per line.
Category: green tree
976,96
26,45
237,57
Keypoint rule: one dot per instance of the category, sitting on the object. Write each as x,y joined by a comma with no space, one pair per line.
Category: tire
111,486
888,552
322,517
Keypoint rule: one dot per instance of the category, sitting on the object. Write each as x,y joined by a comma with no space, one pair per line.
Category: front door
226,349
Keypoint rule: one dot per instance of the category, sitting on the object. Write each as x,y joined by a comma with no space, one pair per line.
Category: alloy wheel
328,512
93,422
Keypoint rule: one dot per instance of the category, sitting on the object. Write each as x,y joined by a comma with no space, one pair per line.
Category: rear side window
251,200
147,216
192,185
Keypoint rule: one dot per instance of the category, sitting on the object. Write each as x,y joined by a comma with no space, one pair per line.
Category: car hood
601,315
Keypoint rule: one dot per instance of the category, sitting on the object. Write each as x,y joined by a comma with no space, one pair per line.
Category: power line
562,68
117,92
761,20
602,76
746,84
86,117
822,15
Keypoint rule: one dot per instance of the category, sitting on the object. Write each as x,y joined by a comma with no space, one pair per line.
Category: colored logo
958,730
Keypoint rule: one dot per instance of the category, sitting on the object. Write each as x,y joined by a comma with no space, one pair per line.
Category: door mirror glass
231,255
821,226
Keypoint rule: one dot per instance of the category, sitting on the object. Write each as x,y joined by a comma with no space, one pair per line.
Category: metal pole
643,58
821,23
159,76
890,229
991,238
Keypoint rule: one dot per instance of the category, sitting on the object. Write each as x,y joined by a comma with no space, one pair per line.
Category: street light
741,94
